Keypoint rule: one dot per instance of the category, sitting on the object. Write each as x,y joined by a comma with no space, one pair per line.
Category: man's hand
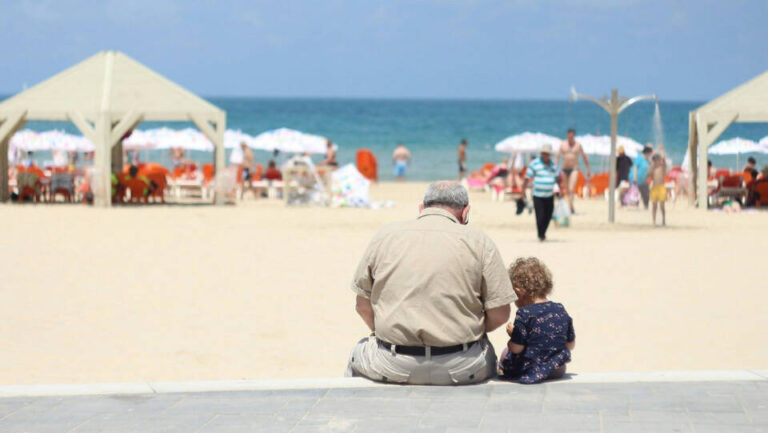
510,328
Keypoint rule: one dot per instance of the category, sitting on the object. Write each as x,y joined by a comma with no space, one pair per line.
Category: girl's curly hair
531,277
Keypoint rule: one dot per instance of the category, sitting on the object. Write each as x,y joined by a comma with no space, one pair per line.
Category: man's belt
422,350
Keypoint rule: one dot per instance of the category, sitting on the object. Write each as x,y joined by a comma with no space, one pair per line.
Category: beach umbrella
289,141
526,142
27,140
61,141
233,138
601,145
54,140
139,139
734,146
763,144
166,138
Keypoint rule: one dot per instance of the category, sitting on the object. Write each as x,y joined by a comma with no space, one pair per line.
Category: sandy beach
259,290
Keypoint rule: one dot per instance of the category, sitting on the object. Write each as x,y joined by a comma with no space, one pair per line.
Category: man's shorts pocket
389,370
471,370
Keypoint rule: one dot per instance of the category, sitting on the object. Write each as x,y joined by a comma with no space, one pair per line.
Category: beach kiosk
106,96
746,103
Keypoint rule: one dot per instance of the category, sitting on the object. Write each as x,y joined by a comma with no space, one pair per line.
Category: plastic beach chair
64,184
137,188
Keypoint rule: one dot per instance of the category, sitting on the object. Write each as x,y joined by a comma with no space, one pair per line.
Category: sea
432,129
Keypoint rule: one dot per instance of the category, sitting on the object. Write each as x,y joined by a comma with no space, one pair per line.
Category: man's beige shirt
431,279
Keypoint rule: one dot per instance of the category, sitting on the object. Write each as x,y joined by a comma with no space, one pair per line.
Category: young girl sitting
542,337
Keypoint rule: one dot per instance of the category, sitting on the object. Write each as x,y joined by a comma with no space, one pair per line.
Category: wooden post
692,158
215,133
8,127
707,135
102,162
614,105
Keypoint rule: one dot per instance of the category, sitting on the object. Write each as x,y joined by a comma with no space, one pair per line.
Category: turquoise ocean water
432,129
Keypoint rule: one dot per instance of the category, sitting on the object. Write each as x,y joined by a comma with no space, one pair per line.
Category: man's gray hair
448,194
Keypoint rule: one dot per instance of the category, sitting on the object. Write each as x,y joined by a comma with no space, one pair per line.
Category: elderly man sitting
430,289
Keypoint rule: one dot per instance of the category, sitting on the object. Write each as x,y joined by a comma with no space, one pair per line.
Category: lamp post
614,106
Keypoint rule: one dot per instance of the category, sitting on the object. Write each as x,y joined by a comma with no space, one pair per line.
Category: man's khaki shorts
372,360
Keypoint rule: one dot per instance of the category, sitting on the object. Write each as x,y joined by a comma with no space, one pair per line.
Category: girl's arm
570,344
515,348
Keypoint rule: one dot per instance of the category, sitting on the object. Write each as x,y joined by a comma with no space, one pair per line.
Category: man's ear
465,214
421,207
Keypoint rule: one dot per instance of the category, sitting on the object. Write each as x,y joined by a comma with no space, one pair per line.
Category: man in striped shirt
544,174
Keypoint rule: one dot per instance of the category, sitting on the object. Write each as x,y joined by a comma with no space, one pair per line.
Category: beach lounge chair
64,184
28,184
761,193
137,187
598,184
731,186
161,183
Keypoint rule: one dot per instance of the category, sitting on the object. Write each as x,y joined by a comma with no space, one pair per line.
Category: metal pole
614,112
614,107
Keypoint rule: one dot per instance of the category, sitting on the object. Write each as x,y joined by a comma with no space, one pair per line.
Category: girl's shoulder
542,308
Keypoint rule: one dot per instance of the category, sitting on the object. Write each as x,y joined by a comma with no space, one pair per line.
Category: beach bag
562,215
632,196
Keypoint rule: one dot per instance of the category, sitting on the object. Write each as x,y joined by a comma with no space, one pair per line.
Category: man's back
432,280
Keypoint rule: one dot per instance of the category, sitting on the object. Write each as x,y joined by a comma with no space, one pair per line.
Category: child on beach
542,336
658,190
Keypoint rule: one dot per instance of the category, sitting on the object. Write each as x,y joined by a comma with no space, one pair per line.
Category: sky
487,49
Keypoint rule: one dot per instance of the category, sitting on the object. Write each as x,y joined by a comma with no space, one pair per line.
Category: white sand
261,291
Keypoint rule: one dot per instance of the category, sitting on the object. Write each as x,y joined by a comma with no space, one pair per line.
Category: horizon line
4,96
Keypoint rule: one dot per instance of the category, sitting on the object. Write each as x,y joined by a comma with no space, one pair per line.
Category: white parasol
601,145
526,142
290,141
763,144
735,146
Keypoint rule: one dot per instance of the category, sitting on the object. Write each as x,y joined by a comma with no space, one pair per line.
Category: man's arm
586,160
365,310
496,317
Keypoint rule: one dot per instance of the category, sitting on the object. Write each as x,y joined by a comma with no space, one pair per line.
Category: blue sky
689,50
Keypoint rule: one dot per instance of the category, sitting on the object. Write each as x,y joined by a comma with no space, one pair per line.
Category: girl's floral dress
543,329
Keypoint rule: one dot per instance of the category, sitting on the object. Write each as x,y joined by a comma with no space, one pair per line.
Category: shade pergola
746,103
105,96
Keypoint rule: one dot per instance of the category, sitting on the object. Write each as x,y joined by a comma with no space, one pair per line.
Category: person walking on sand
570,149
463,158
623,166
543,173
639,175
400,158
658,190
430,289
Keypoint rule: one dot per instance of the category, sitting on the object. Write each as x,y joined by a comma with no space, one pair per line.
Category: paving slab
691,406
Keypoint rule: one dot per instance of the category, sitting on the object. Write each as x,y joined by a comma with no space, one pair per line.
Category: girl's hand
510,328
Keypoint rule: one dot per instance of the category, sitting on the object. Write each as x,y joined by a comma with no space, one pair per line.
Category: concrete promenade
668,402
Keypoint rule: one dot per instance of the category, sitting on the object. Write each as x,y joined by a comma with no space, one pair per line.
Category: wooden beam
204,125
129,121
88,130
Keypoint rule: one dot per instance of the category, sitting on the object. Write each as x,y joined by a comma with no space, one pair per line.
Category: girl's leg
557,373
